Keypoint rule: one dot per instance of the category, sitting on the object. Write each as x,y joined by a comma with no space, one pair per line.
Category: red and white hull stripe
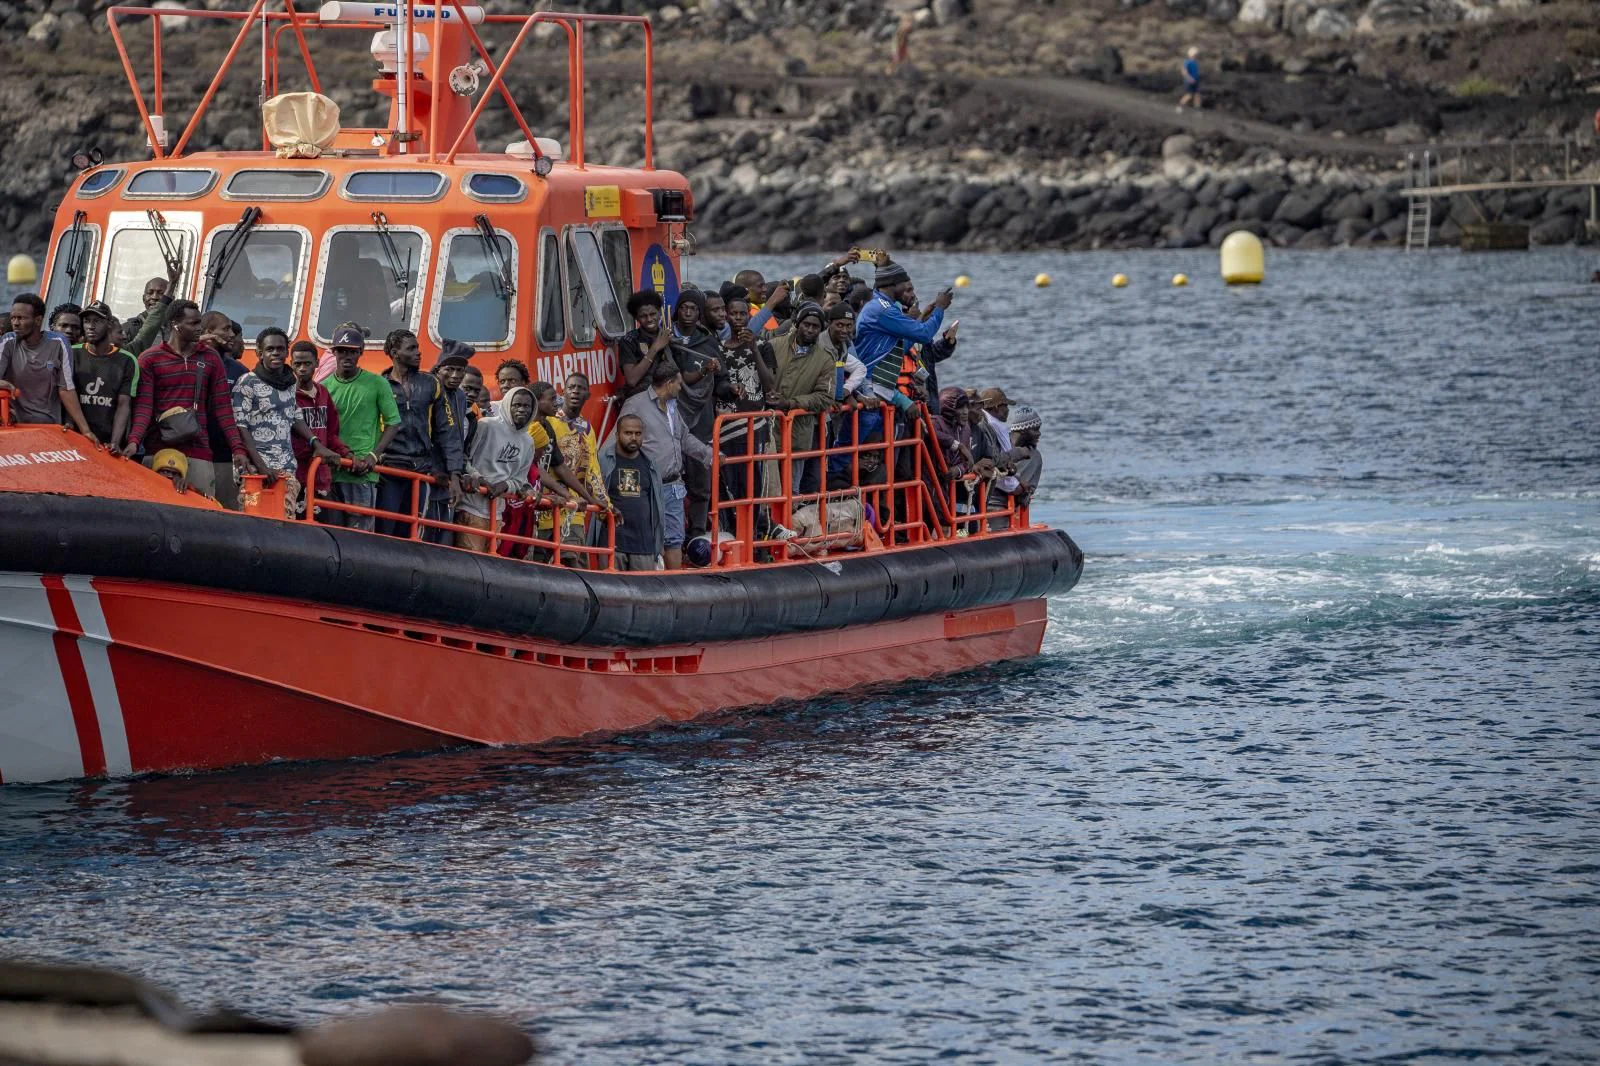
60,716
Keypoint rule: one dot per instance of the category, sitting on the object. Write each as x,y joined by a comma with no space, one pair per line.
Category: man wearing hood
501,457
805,372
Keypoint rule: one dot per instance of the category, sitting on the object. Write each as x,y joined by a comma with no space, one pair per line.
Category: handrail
415,522
572,23
912,506
291,19
919,508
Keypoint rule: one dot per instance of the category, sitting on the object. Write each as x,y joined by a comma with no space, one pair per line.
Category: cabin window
135,257
169,184
495,188
474,300
369,280
277,185
393,185
260,285
580,313
619,262
72,266
552,300
603,306
99,183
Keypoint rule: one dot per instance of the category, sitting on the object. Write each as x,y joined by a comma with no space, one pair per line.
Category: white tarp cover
300,125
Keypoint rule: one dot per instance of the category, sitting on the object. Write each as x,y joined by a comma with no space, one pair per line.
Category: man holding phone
884,331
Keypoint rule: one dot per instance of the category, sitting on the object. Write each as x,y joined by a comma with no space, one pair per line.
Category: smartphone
953,326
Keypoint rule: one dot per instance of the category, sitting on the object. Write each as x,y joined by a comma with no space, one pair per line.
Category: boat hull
106,677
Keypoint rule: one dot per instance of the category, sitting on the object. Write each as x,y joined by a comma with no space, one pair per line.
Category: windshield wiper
77,251
168,244
228,254
402,272
505,286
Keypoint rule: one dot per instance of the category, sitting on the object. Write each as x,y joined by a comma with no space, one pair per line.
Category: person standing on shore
1191,82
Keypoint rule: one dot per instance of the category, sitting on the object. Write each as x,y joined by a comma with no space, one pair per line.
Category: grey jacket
666,441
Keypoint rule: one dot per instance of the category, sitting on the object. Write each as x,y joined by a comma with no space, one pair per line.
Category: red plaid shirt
166,379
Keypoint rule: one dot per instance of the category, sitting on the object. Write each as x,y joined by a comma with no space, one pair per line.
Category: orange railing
915,503
597,557
274,23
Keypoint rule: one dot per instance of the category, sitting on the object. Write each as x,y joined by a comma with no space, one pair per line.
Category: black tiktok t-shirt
100,379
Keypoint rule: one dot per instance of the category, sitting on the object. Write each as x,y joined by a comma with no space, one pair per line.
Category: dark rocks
1349,230
1198,226
1557,230
1352,205
943,225
1284,235
1263,204
1302,208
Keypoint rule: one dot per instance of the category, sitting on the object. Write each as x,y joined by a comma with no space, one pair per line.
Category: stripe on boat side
39,738
94,646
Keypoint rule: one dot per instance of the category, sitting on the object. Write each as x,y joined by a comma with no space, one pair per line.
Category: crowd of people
841,363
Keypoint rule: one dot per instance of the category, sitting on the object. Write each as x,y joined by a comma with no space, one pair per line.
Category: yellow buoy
21,270
1119,281
1041,280
1180,280
1243,260
963,281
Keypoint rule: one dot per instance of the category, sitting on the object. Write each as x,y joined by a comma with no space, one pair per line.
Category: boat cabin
525,251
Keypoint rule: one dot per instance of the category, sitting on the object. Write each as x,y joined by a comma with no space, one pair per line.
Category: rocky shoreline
1290,206
1020,126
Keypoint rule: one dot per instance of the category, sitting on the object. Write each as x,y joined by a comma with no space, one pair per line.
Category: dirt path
1147,109
1079,96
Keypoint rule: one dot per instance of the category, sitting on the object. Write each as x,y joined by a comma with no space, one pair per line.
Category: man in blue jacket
884,331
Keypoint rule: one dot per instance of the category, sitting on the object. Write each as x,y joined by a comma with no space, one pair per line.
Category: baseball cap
97,308
170,459
348,337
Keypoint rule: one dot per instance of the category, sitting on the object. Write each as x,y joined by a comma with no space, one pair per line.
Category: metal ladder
1419,212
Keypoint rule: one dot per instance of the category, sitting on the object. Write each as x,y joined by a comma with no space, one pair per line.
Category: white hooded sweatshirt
500,452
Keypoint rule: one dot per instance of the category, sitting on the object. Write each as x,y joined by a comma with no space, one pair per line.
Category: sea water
1306,773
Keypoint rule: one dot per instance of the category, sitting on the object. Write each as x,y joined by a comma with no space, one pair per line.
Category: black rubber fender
344,568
